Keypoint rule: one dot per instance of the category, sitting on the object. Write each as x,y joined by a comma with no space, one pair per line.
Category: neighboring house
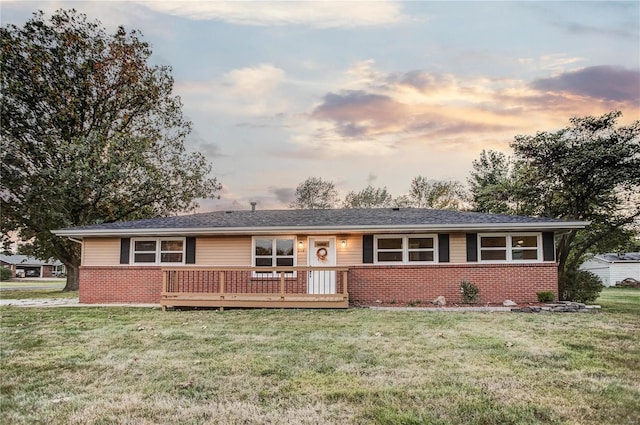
614,268
317,258
25,266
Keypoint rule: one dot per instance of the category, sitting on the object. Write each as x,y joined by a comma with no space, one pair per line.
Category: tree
436,194
91,133
369,197
315,193
490,183
587,171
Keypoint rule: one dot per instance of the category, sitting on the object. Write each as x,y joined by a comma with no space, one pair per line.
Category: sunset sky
374,92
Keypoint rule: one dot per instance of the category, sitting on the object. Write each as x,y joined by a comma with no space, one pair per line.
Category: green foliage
490,183
587,171
5,273
545,296
315,193
435,194
91,133
580,286
369,197
470,292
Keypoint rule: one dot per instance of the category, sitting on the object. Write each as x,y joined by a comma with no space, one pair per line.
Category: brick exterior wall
120,284
367,284
497,282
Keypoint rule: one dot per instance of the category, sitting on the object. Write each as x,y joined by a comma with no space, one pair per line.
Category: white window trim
509,248
405,249
274,238
158,241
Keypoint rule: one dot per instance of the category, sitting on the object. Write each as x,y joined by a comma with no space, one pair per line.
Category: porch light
343,243
300,245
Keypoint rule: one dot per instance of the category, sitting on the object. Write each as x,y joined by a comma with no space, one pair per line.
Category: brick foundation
120,284
367,284
404,284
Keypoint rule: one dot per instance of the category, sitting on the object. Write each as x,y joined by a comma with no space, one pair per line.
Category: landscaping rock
509,303
559,307
440,301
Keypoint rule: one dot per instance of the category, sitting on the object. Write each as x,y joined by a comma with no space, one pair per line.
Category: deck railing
310,287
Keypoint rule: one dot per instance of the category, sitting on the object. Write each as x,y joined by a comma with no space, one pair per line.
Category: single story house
317,258
25,266
614,268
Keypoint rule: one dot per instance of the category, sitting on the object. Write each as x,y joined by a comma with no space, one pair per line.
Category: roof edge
566,225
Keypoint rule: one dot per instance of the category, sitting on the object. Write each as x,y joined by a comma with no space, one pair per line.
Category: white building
614,268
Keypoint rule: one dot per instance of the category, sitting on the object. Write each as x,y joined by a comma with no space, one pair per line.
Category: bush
580,286
469,292
5,273
545,296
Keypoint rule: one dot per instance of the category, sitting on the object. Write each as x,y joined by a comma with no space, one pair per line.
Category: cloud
284,195
328,14
381,113
358,113
250,91
601,82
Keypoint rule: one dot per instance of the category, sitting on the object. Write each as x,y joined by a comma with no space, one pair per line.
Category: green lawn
143,366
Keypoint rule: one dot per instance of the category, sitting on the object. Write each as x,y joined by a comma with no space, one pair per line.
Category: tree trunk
73,278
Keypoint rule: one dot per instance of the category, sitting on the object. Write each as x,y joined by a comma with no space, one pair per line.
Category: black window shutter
443,248
548,247
472,247
125,246
367,249
190,256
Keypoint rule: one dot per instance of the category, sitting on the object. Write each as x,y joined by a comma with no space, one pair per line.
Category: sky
376,93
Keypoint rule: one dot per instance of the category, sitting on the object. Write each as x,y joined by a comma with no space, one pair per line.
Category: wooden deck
261,287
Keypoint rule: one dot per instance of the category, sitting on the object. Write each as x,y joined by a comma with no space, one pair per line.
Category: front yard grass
360,366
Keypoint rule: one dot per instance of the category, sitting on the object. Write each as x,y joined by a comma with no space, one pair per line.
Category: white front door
322,253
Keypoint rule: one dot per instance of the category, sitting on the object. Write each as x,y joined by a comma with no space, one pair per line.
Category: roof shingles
329,218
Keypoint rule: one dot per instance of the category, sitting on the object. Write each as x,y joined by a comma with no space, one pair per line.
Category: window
510,247
405,249
274,252
158,251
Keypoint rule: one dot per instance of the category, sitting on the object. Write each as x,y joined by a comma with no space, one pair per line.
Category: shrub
5,273
469,292
580,286
545,296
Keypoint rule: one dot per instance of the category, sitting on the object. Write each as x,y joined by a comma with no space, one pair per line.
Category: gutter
314,230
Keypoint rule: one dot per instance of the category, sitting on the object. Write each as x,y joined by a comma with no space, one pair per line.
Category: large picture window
405,249
514,247
274,252
158,251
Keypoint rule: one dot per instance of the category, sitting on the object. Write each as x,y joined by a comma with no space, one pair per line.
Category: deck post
164,286
344,283
282,284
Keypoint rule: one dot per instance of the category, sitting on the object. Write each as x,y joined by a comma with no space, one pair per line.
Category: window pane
284,247
144,258
145,246
525,254
421,256
263,247
171,246
171,257
284,262
524,241
263,262
416,243
498,254
393,243
389,256
493,241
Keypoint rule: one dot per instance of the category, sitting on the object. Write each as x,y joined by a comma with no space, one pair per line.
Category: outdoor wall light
343,243
300,245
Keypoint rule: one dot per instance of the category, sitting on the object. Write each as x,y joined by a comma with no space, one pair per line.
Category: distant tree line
316,193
